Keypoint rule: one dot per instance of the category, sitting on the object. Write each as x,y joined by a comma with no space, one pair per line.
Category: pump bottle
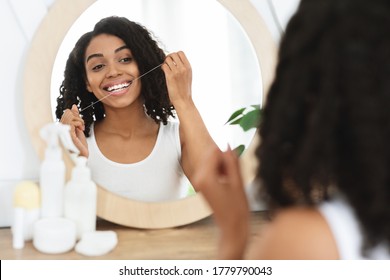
80,198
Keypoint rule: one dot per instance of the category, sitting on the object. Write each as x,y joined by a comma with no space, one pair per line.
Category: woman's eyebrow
121,48
94,55
101,55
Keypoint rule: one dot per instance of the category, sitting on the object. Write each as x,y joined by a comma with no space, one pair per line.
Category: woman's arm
194,136
219,180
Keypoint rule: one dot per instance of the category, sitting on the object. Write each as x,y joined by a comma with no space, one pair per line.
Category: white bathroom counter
197,241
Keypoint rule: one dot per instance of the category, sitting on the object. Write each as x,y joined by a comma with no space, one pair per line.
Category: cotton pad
97,243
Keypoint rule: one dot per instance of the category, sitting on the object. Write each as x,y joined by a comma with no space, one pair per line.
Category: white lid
81,171
97,243
54,235
51,132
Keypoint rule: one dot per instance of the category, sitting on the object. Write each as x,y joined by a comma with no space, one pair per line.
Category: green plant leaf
239,149
236,121
235,115
250,120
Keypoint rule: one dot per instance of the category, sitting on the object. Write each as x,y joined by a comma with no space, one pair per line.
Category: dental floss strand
132,82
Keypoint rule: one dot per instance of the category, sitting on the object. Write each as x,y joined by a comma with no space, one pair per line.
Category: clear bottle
80,198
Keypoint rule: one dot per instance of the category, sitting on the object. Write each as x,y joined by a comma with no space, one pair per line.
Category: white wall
19,20
18,160
276,13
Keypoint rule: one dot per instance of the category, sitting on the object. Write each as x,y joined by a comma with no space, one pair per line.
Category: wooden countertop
197,241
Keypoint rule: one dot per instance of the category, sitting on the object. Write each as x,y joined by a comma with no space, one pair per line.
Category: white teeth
118,87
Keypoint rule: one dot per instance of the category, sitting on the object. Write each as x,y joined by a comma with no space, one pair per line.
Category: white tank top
158,177
347,233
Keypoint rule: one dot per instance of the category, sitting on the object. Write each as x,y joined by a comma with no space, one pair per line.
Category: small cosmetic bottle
26,212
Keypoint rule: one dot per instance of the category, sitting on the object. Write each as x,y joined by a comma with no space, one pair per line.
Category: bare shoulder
295,233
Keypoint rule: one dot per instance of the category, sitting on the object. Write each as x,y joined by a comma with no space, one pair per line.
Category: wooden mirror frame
37,74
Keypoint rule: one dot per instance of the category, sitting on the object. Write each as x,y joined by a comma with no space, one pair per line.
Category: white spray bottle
52,171
80,198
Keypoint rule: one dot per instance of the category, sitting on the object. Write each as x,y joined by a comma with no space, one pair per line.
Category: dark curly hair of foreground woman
326,123
146,53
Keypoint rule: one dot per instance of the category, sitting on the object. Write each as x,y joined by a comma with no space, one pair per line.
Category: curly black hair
146,53
326,123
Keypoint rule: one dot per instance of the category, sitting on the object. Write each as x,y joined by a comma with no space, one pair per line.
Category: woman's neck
125,121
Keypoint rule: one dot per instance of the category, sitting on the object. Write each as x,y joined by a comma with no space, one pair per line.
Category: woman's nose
113,71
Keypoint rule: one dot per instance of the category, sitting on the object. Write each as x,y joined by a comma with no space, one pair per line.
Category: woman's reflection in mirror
134,143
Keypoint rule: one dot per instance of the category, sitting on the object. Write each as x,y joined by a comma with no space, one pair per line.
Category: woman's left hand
178,74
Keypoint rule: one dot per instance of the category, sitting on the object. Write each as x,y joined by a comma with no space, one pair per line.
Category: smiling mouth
118,87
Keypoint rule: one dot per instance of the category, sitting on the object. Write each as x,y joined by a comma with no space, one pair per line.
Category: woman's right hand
72,118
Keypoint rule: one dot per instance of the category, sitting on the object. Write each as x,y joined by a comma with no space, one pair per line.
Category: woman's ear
88,86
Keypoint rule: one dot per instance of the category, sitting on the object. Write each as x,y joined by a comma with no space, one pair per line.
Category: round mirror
222,57
226,76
